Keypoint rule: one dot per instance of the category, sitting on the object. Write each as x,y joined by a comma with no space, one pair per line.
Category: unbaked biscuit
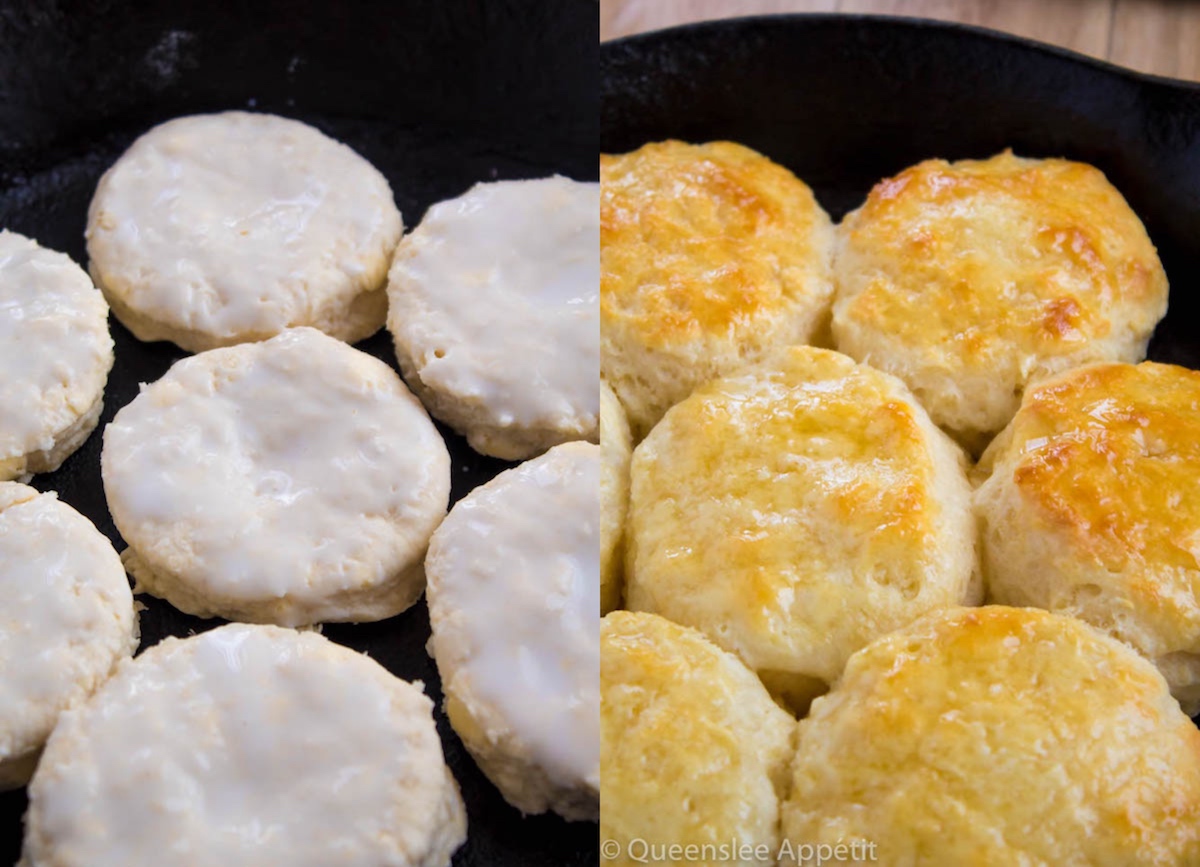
493,306
66,620
55,355
795,511
997,736
616,452
225,228
246,745
694,753
711,255
1091,509
293,481
970,280
513,598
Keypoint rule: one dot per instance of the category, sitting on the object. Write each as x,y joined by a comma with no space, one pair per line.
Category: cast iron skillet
438,95
844,101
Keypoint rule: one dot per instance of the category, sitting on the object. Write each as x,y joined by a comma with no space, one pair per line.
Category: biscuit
710,256
615,454
293,481
997,736
970,280
66,620
795,511
55,355
513,596
246,745
226,228
493,307
1090,509
694,751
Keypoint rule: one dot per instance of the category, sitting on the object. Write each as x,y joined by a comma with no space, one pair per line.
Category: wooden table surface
1159,36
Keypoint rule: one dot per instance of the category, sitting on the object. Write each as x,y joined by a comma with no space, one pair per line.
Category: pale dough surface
493,302
246,745
55,355
292,481
223,228
514,598
66,620
616,450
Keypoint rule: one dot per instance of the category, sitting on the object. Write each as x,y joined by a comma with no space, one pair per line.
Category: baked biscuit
66,620
694,753
493,306
615,453
970,280
997,736
246,745
710,256
513,594
55,354
225,228
795,511
1091,509
293,481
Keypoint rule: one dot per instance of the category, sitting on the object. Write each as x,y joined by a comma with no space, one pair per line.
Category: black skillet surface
844,101
438,94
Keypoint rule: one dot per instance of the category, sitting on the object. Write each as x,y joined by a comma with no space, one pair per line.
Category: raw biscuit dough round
970,280
246,745
218,229
55,355
66,620
1091,509
795,511
293,481
493,306
513,600
694,751
998,736
616,451
712,256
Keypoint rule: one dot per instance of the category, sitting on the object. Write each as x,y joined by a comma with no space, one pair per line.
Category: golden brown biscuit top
1110,454
700,240
693,750
975,258
805,481
988,732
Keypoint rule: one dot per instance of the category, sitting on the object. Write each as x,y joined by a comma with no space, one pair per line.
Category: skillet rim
738,23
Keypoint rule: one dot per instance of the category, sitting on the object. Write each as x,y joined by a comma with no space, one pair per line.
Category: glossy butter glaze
514,596
291,481
55,349
493,306
67,619
247,745
217,229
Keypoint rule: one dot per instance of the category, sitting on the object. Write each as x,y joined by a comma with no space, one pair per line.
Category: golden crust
693,750
796,510
998,736
1019,268
710,255
1091,507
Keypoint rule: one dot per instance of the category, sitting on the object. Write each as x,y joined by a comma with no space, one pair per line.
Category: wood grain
1158,36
